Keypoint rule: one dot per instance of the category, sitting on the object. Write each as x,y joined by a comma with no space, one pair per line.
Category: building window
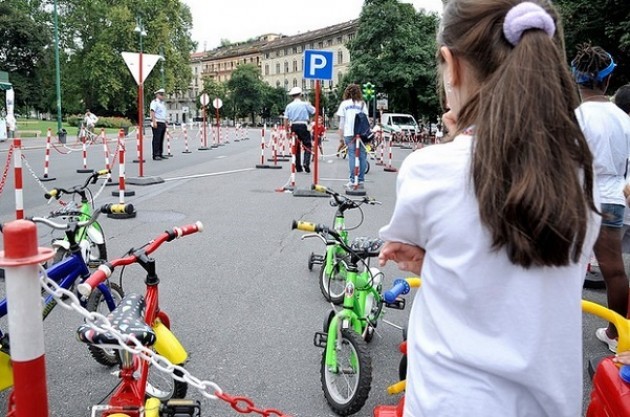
320,45
295,66
303,84
295,82
339,57
339,39
329,42
312,83
330,83
266,55
295,50
350,36
286,66
232,64
277,68
278,53
267,69
286,84
299,49
277,84
339,77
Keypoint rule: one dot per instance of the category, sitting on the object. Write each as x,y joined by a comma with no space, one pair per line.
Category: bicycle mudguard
95,235
6,372
611,395
60,243
167,345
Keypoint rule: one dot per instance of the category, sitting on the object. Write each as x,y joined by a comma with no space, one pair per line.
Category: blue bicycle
67,273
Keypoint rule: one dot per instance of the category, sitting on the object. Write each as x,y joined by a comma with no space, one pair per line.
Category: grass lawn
27,128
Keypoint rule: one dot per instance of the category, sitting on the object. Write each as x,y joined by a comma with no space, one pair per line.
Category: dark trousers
158,138
304,138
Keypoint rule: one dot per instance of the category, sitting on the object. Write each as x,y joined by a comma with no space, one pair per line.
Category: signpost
318,65
140,66
218,103
204,99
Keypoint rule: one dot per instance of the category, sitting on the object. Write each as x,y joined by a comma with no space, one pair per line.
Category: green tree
25,55
214,89
605,24
247,91
395,49
274,101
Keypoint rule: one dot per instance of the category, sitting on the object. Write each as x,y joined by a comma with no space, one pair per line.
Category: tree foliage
395,49
602,23
92,36
246,90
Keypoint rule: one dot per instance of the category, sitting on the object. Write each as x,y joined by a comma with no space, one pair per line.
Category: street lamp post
141,34
162,58
57,71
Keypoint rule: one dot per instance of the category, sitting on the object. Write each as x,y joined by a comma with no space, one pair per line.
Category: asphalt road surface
240,296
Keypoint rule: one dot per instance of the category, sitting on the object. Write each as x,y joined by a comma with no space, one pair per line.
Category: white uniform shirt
347,110
607,131
486,337
159,108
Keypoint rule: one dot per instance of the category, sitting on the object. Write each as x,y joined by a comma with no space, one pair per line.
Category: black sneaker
307,169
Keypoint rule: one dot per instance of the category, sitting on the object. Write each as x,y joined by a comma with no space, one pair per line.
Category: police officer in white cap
158,124
297,114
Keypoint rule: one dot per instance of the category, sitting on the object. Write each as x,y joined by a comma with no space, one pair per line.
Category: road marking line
212,174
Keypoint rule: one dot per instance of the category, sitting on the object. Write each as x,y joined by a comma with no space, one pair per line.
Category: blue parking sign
318,65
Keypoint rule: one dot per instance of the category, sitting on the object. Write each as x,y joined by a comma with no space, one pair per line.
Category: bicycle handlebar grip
101,274
188,229
401,286
306,226
319,188
50,194
116,208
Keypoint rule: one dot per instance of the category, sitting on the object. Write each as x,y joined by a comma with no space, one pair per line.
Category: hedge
104,122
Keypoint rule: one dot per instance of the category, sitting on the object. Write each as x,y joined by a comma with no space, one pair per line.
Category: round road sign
217,103
204,99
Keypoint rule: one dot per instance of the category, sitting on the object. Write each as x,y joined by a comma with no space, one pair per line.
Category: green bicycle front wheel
333,285
347,387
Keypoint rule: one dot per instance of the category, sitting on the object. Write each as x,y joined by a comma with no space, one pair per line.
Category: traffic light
368,91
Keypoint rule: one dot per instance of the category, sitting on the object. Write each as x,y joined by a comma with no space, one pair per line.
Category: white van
399,123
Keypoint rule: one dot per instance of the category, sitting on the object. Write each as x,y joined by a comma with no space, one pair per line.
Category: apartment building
279,58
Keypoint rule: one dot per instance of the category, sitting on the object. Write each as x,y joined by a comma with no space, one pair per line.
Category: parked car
401,123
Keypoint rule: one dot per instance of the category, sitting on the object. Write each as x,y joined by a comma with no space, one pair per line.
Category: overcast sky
239,20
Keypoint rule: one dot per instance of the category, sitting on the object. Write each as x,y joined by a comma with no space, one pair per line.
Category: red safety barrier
137,160
168,144
17,167
389,167
106,151
20,259
85,168
47,158
262,164
122,192
381,156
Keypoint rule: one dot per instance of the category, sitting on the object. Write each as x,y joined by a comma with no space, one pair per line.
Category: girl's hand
622,358
408,257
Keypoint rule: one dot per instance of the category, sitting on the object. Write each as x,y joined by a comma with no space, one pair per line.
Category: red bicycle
142,324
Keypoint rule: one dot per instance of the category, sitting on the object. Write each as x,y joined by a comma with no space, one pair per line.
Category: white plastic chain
101,324
33,174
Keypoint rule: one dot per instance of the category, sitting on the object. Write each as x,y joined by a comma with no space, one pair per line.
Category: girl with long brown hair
499,222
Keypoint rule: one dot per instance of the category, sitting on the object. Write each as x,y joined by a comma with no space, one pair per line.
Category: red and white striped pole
85,169
138,145
47,158
168,145
106,151
389,167
21,258
121,193
186,150
17,166
293,159
381,159
262,154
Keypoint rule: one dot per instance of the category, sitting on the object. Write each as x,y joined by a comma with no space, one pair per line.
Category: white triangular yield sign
132,59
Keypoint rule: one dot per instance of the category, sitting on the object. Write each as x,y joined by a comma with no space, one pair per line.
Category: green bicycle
346,368
332,277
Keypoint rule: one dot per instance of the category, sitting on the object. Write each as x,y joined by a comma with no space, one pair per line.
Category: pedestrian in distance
297,115
158,124
622,98
607,130
351,105
90,120
499,220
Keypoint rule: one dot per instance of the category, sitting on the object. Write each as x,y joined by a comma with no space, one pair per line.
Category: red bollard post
20,260
389,167
85,169
106,151
186,150
262,154
47,158
121,193
17,167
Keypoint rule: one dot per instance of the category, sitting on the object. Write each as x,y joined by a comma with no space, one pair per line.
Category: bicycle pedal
320,339
181,408
399,304
318,259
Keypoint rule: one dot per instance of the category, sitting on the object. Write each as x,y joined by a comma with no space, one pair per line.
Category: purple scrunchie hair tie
525,16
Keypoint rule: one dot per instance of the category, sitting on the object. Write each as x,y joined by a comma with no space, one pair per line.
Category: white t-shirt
91,119
607,130
486,337
346,112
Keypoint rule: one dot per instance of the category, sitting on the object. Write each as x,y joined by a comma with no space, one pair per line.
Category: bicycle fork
331,339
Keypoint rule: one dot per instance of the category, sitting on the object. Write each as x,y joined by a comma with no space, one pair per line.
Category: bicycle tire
336,297
355,400
107,357
178,390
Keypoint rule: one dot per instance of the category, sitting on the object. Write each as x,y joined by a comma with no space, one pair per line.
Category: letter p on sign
318,65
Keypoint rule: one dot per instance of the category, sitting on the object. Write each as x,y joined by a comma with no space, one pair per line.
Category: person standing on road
297,114
90,120
158,124
607,130
500,221
351,105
